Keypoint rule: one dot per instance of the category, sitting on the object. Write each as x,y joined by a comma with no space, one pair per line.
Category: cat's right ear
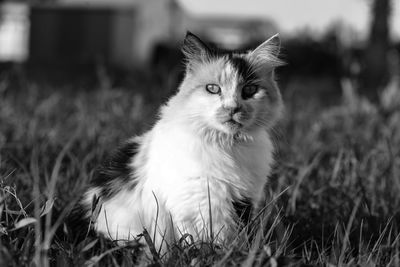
266,55
194,49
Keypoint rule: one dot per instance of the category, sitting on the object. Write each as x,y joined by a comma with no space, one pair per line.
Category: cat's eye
213,88
249,90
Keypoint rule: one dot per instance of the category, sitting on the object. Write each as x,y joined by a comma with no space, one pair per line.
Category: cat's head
230,92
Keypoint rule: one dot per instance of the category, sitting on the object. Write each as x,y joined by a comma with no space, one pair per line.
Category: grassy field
334,196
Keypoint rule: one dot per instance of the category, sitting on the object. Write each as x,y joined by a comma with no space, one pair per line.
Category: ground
333,196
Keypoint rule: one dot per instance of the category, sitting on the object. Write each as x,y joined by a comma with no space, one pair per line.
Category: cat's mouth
233,124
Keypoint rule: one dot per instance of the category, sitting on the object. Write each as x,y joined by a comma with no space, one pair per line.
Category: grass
333,197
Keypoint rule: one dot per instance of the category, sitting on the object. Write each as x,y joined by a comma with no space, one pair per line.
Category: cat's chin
227,133
232,126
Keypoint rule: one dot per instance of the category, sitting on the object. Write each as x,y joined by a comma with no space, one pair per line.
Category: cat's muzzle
233,124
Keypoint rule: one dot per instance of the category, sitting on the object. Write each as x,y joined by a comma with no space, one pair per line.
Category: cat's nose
234,109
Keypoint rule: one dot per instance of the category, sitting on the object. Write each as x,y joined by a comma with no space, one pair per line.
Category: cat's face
230,92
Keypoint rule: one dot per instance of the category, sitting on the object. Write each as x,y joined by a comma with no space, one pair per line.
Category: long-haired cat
209,152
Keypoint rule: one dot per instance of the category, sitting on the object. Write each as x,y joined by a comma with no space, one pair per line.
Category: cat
206,160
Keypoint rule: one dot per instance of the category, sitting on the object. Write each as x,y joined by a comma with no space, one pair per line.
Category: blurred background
111,42
78,77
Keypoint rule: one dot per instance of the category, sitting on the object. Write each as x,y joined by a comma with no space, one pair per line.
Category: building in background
118,32
75,32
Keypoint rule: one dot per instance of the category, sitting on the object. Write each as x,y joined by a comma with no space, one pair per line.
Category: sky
293,15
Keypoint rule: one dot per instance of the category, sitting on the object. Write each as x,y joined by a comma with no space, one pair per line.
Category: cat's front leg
205,213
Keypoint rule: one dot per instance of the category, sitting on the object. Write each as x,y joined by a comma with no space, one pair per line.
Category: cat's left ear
194,49
267,53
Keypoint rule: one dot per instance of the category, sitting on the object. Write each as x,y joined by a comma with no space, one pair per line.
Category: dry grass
334,195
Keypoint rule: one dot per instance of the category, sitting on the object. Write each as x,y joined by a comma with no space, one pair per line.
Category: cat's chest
176,157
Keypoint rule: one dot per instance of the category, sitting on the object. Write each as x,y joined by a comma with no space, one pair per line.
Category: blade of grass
49,233
348,230
34,165
210,212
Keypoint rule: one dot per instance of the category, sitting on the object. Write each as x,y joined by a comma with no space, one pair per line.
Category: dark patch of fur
115,172
244,68
243,209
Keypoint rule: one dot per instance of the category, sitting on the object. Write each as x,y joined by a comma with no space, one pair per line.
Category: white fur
177,166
